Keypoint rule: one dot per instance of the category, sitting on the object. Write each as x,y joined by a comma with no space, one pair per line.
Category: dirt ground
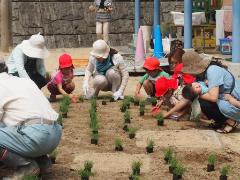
75,144
76,141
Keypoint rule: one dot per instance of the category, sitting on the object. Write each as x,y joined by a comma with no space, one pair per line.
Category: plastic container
197,18
226,46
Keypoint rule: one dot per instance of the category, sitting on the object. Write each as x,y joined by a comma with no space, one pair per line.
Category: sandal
228,128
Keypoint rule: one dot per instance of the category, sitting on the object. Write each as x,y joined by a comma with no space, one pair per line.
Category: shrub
88,165
212,159
173,163
179,170
118,143
168,154
225,170
150,143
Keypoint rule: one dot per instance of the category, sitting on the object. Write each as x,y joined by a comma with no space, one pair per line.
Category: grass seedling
81,99
88,166
132,132
127,116
211,162
60,119
179,171
168,154
136,167
94,104
66,100
160,119
84,174
118,144
94,139
153,101
136,102
173,165
63,109
123,106
142,104
150,145
224,172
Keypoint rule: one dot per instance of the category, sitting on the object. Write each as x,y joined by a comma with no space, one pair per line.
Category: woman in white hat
26,60
108,69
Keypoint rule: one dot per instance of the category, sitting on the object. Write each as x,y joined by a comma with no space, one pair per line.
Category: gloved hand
85,87
118,95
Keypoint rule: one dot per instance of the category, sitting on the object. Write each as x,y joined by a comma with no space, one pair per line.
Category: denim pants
31,140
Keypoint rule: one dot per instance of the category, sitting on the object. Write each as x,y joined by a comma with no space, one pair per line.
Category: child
62,82
195,89
153,72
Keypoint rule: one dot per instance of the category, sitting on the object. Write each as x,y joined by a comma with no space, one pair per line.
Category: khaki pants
102,30
110,82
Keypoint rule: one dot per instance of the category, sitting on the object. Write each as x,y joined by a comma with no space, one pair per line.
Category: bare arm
177,107
211,95
137,91
232,100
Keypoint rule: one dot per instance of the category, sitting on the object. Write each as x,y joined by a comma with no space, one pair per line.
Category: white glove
118,95
85,87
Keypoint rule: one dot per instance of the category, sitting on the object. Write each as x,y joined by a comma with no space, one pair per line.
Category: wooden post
6,25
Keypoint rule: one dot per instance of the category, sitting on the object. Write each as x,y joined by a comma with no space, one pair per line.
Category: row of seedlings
94,122
86,171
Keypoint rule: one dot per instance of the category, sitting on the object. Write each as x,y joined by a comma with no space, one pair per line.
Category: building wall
70,23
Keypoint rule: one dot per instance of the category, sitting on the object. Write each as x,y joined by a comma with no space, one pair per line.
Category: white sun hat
35,47
100,49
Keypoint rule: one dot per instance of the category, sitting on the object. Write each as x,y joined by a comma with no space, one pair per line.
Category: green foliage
129,99
63,108
94,103
136,101
168,154
135,177
118,143
142,104
132,130
88,165
84,173
95,136
159,117
29,177
153,100
126,116
212,159
173,163
179,170
54,153
150,143
60,119
225,170
81,99
136,165
66,100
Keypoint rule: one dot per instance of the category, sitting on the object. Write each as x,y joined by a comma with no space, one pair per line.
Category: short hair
188,93
3,67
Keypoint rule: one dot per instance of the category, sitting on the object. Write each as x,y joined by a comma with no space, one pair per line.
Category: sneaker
52,98
31,169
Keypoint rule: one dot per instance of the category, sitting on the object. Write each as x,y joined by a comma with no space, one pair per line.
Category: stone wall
71,24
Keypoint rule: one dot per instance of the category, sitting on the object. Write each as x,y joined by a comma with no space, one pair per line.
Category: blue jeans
31,140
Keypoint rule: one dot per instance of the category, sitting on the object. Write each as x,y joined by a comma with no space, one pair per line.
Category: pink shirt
60,78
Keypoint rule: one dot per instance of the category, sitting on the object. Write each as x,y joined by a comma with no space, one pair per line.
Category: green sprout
84,173
225,170
63,108
150,143
118,143
136,166
212,159
173,163
179,170
168,154
88,166
30,177
127,117
132,130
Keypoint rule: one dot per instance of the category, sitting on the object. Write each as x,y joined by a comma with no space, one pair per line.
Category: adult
28,129
103,10
220,82
153,72
108,69
26,60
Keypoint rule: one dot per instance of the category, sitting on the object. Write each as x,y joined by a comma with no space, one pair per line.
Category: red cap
187,78
65,61
151,64
162,85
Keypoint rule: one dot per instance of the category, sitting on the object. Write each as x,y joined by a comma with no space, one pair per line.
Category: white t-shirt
21,99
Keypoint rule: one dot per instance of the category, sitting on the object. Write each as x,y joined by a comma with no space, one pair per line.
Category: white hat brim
32,51
105,55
